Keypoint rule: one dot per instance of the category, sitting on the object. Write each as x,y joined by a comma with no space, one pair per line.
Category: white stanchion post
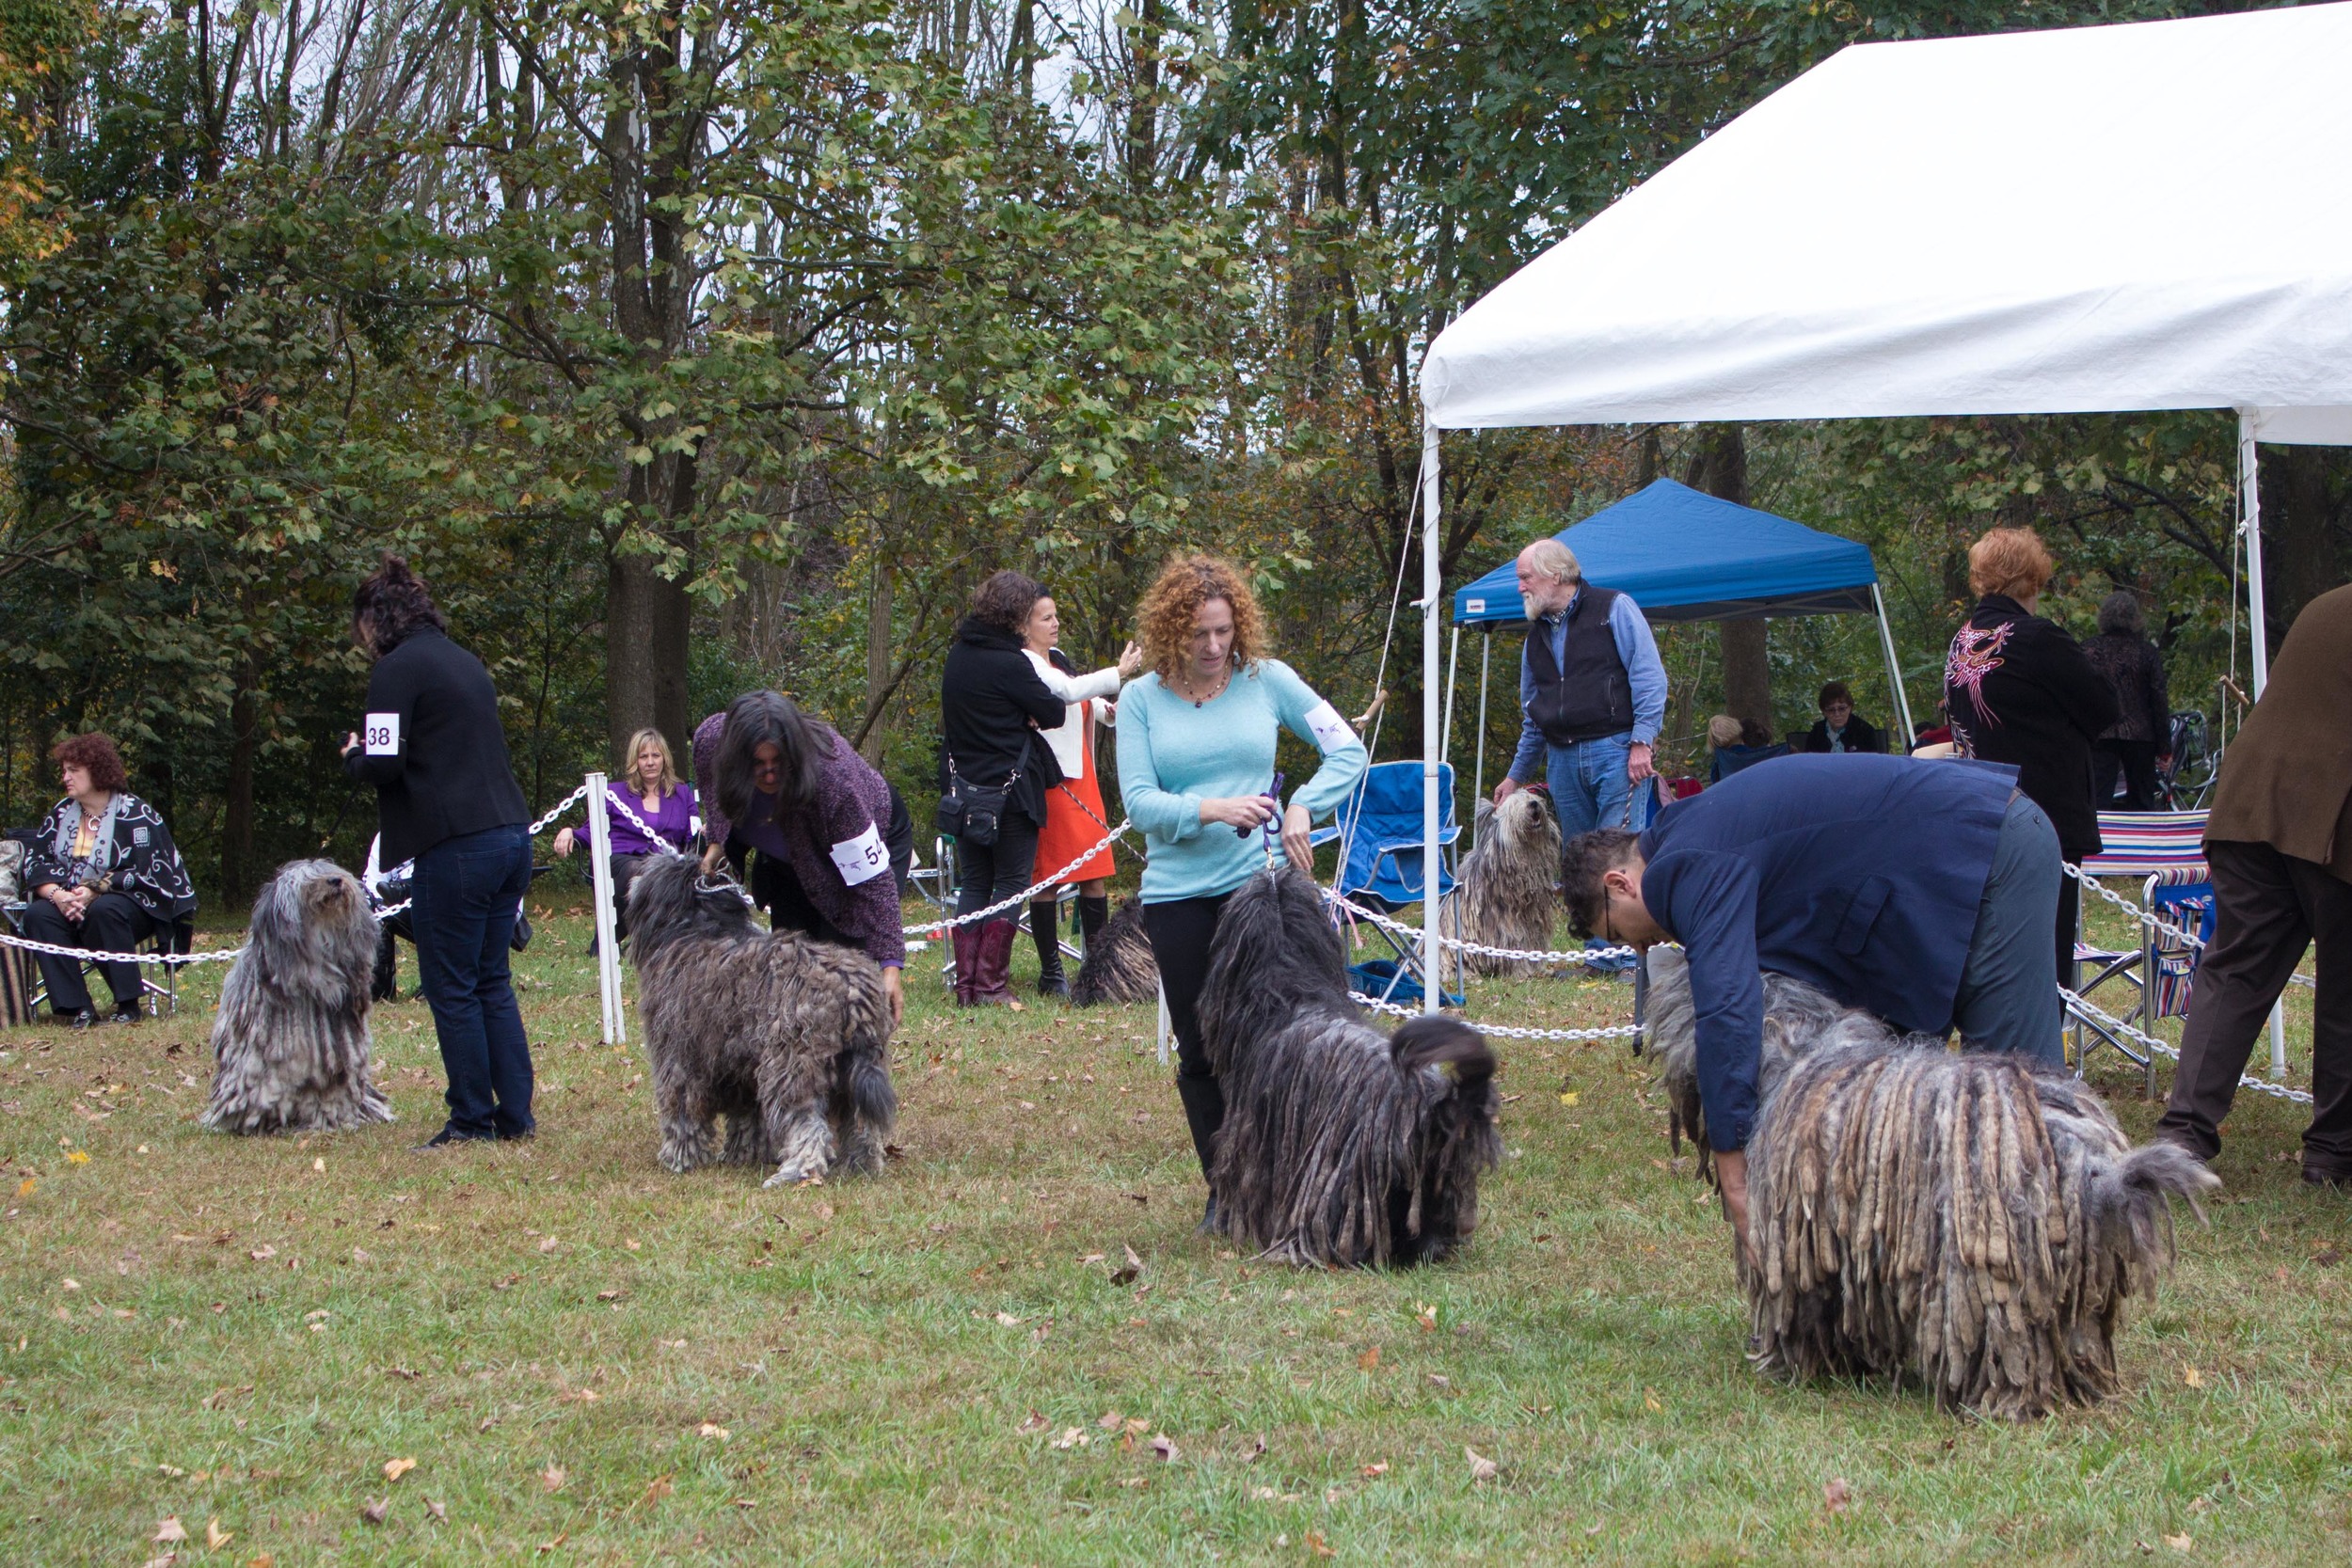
1432,974
2257,612
1167,1026
600,873
1478,740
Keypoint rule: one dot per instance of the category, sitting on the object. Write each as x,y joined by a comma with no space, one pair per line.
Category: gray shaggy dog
786,1037
1965,1220
289,1046
1342,1147
1510,886
1119,965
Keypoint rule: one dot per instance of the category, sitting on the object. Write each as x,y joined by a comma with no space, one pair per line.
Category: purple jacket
853,801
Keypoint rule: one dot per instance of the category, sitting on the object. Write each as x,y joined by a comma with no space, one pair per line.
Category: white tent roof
2103,218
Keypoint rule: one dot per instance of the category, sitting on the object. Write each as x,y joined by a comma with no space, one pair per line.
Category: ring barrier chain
2277,1091
2155,922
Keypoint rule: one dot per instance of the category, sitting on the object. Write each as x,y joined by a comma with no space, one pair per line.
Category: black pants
2269,908
1181,931
2070,914
776,888
2136,760
113,923
994,874
625,869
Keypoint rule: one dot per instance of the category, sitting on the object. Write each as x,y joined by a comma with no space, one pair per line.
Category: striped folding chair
2166,850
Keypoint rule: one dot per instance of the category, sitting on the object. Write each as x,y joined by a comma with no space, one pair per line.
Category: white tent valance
2104,219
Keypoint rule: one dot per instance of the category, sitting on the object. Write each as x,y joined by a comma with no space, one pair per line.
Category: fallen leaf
1569,1098
262,1253
2179,1542
2191,1376
2327,1258
547,1244
1369,1471
711,1428
1317,1544
79,1157
1123,1276
24,1188
1481,1468
1370,1359
1009,1320
577,1396
1649,1400
1036,1422
1073,1438
1166,1448
373,1513
395,1468
1836,1496
406,1374
1133,1262
1439,1380
552,1477
657,1490
169,1529
608,1295
319,1165
437,1509
1111,1421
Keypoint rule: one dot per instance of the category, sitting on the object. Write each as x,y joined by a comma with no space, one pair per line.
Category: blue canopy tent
1686,556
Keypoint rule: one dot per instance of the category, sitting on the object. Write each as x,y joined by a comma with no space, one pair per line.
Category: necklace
1198,701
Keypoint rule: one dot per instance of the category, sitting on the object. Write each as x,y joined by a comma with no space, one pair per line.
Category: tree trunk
1720,469
239,876
878,658
647,618
2298,533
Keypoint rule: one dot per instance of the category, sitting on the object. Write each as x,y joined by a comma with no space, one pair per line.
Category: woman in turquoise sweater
1196,766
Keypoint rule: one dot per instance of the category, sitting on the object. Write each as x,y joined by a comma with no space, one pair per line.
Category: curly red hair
2009,561
94,753
1164,618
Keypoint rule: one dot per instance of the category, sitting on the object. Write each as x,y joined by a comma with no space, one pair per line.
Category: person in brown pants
2280,842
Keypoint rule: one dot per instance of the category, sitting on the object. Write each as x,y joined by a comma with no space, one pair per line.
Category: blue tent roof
1684,556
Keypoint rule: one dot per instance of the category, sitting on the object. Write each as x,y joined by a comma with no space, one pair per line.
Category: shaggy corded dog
290,1045
1962,1219
786,1037
1342,1145
1510,892
1119,964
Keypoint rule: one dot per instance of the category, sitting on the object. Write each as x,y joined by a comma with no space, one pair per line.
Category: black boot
1093,915
1045,931
1204,1113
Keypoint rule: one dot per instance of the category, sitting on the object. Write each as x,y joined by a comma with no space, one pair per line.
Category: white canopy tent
2117,218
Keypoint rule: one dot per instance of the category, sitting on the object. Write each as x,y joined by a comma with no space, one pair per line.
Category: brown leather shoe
991,985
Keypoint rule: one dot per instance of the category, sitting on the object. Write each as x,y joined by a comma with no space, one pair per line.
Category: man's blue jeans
466,893
2007,995
1589,786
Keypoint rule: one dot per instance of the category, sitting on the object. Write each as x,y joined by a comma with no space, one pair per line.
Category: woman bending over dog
1196,737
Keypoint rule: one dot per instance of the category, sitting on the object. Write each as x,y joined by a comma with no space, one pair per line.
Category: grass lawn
588,1359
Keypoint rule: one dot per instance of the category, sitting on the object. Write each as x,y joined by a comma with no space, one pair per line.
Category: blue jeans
2007,995
466,893
1589,786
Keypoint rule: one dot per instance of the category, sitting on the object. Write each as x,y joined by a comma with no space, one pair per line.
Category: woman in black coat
2019,691
446,798
2143,728
1840,729
992,705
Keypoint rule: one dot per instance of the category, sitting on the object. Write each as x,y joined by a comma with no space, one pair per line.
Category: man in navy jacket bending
1920,891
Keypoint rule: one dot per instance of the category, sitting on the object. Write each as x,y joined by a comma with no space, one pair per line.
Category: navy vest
1592,696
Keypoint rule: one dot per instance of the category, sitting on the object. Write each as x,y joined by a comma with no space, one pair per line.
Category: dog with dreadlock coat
786,1035
1967,1220
1118,963
1510,893
1342,1147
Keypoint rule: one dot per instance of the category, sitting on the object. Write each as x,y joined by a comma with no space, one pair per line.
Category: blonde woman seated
650,789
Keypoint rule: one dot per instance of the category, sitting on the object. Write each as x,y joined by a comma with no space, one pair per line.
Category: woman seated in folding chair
106,876
1197,738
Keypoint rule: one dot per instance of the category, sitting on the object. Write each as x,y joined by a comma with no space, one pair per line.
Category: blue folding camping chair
1378,829
2167,851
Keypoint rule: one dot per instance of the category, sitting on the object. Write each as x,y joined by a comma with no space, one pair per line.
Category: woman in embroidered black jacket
104,876
2020,690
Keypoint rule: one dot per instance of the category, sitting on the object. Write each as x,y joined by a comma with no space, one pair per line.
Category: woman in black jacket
1840,729
992,705
2143,729
446,798
2019,691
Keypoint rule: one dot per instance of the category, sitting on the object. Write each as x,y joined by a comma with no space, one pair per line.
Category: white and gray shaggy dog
1510,889
1968,1221
291,1049
786,1037
1342,1147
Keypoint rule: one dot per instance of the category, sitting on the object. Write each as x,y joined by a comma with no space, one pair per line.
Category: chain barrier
1532,955
2277,1091
2156,923
1026,894
1508,1031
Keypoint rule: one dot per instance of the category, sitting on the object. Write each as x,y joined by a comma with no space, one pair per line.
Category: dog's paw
675,1159
790,1176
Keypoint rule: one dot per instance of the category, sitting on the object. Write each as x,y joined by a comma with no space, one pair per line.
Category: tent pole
2249,488
1452,670
1894,670
1478,768
1432,976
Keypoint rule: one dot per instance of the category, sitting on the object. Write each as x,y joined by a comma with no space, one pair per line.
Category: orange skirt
1075,821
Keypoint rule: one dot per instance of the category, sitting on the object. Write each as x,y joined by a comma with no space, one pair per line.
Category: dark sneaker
86,1018
449,1135
2321,1175
129,1012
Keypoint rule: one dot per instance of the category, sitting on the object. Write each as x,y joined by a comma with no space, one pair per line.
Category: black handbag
975,812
